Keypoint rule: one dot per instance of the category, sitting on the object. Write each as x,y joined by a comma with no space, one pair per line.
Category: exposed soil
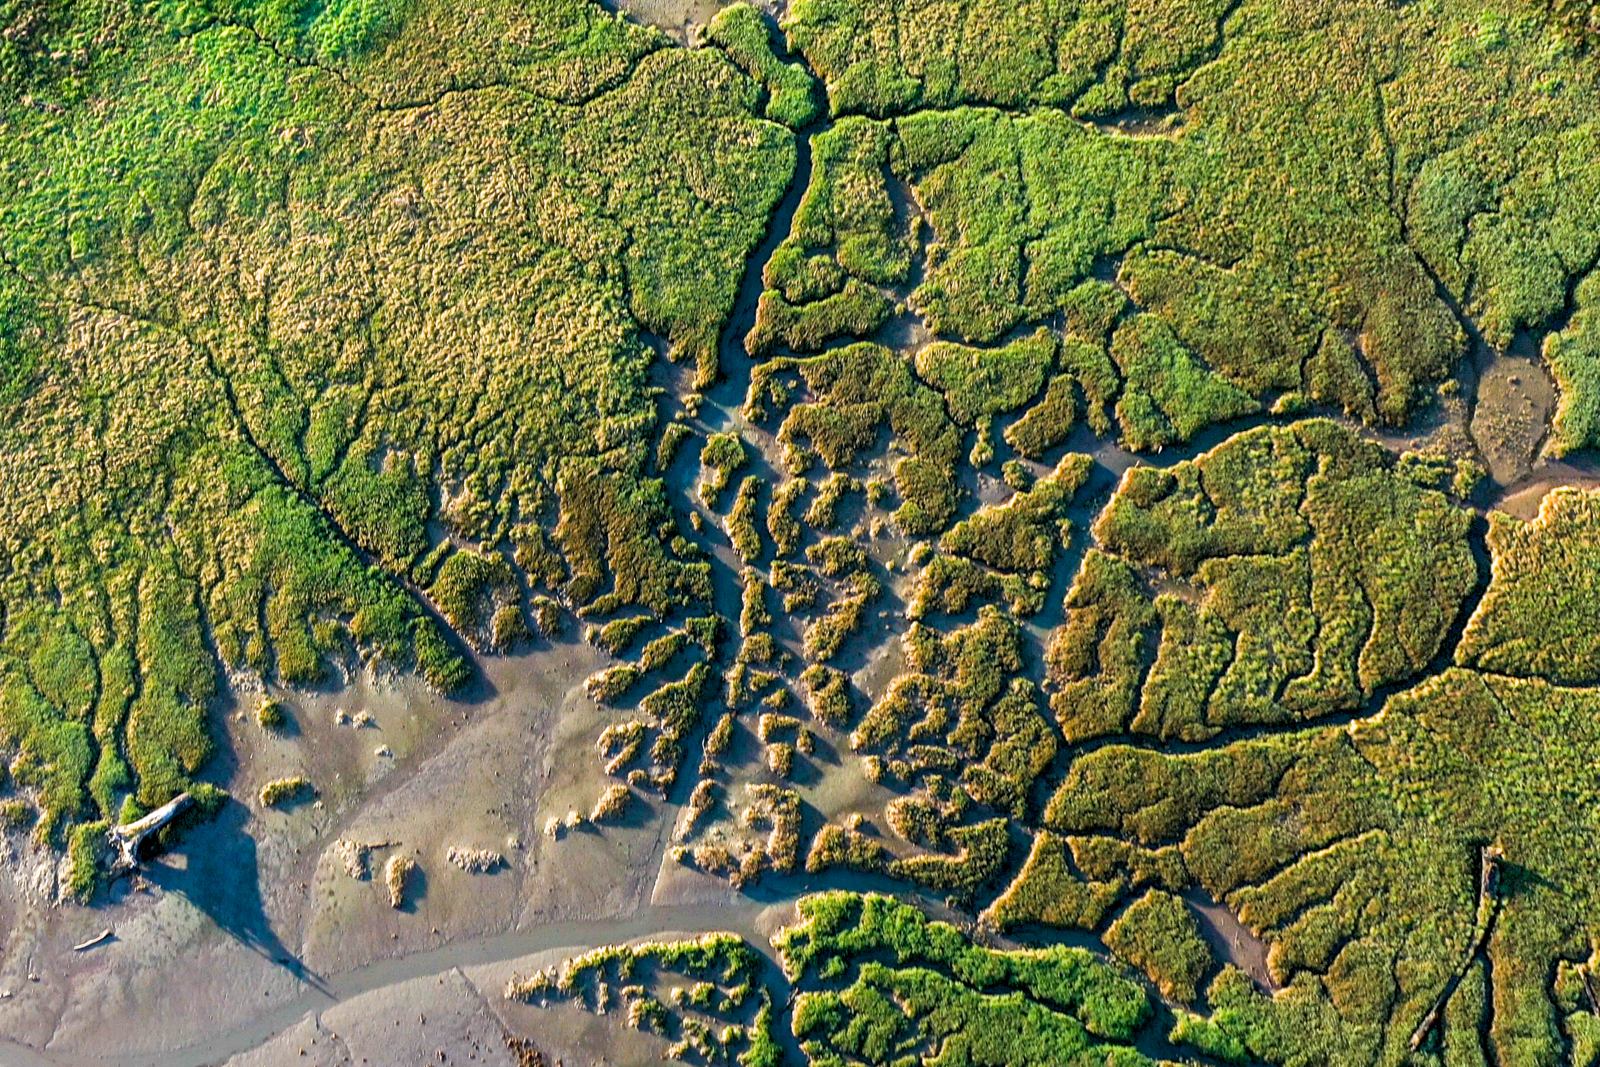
679,18
1515,400
1230,940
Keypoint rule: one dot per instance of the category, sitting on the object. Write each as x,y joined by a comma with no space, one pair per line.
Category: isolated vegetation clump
620,744
605,687
782,526
660,652
356,856
721,457
838,846
1047,423
983,381
17,814
281,791
618,635
1160,935
827,691
1048,892
475,860
1025,532
701,801
612,805
951,584
725,1015
823,514
742,529
825,635
675,709
547,616
86,861
272,714
397,876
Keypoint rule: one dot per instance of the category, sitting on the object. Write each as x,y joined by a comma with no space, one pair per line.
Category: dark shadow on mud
416,890
223,880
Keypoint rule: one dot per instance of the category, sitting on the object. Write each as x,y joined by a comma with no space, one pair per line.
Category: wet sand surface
254,910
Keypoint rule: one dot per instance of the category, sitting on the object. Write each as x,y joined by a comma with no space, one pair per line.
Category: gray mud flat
1515,400
1230,940
420,1003
253,922
677,18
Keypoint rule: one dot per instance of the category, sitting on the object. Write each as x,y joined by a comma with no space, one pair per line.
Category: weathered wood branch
99,939
127,838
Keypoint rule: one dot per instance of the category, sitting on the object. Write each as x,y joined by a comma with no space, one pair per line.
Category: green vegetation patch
856,390
929,999
1318,571
722,1012
965,736
1340,211
1169,395
1024,533
1159,935
1358,854
289,342
791,93
1540,614
978,381
1047,891
1003,551
886,58
1020,210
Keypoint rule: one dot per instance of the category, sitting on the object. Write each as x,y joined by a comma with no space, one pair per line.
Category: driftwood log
127,838
98,939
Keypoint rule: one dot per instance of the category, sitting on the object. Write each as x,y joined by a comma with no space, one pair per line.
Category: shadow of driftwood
222,879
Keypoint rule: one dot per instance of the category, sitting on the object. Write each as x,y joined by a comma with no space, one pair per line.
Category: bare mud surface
678,18
255,910
1230,940
1515,400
